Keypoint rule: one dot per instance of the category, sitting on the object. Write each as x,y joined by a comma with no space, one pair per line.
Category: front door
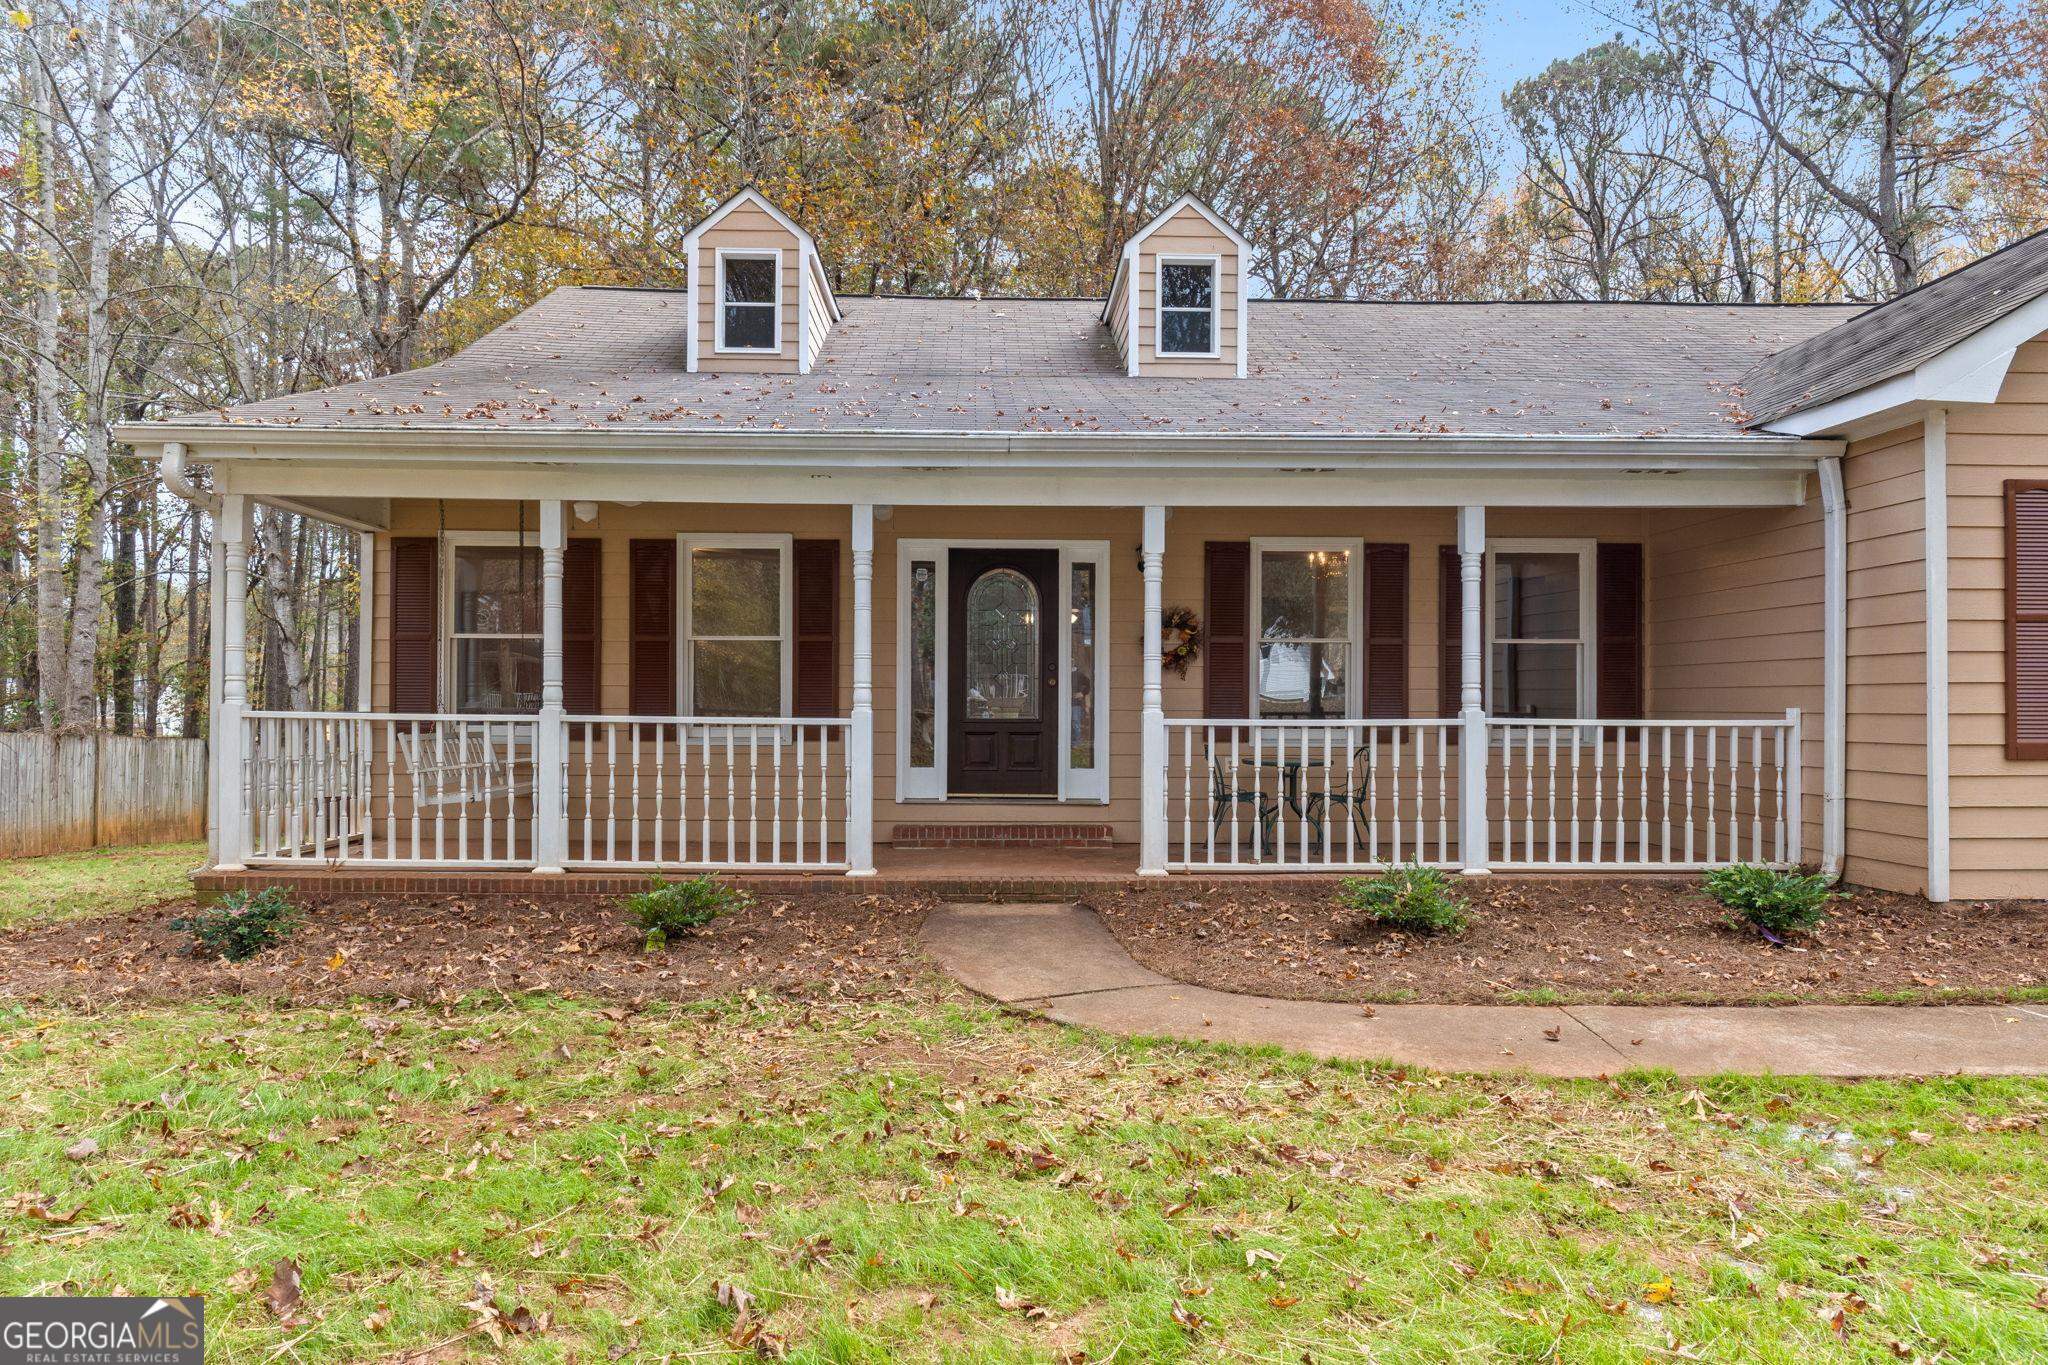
1003,667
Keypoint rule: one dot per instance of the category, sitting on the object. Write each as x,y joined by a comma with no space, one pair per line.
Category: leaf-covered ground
1623,940
97,882
919,1177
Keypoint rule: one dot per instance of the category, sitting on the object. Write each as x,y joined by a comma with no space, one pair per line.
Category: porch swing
470,767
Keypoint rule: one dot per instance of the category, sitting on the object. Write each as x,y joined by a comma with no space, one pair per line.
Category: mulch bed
435,949
1586,941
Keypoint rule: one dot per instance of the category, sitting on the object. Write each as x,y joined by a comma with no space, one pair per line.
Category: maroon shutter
1386,630
582,597
1450,612
415,646
651,621
2026,596
1227,676
1619,688
816,628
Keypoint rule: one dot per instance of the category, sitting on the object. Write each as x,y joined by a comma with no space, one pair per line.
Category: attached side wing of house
750,577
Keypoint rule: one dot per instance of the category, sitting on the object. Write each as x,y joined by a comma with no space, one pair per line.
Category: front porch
585,787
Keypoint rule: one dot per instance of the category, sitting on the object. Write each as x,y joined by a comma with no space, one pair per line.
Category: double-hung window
735,607
1306,597
1187,306
749,301
1540,629
494,627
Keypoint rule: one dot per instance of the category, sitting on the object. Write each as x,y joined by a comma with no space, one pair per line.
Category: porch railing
1645,794
396,790
1310,794
1617,795
707,794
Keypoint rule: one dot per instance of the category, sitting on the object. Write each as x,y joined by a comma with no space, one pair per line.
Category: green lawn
930,1179
97,882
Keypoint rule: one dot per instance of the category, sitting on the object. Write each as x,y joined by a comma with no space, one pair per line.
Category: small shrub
243,923
1416,898
667,908
1774,903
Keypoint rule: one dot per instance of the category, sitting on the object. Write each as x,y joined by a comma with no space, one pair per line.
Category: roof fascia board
1971,370
1106,487
903,449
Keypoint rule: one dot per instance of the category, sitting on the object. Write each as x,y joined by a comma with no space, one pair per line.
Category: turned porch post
1152,748
230,739
1473,848
860,741
550,749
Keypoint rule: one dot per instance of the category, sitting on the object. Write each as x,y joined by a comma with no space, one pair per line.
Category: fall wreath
1180,639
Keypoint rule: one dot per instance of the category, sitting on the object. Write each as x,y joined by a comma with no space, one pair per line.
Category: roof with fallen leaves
1896,336
590,357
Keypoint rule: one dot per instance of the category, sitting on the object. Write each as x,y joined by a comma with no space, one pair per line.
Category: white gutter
1834,665
1934,464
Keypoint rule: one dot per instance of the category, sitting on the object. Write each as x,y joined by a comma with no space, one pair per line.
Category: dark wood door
1002,668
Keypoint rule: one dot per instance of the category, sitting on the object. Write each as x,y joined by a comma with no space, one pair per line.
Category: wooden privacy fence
64,792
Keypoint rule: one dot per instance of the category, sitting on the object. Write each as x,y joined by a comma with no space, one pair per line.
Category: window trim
1588,551
688,541
451,541
2017,750
1159,309
718,303
1354,616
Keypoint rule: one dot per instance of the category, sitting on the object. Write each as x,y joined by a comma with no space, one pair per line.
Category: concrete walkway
1058,961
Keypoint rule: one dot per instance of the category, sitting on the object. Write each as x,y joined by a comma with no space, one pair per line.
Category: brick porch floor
964,874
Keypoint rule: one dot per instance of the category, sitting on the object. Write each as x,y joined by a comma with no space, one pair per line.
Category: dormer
1177,304
759,300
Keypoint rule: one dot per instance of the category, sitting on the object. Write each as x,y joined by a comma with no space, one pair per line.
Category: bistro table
1290,770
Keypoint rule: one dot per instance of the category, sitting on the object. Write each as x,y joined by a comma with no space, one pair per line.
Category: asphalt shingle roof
1896,336
590,357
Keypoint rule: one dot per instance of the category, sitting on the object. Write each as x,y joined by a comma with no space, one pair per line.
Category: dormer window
1187,305
749,301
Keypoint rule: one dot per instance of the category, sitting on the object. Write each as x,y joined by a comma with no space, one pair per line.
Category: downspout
1934,463
1834,665
172,467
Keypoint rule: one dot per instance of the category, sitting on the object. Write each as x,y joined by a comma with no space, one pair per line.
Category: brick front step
1019,835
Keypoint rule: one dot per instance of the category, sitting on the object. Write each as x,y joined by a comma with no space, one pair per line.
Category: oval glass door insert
1001,681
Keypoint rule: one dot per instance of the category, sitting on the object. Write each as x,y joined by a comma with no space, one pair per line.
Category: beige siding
1998,807
1887,723
1188,233
819,318
1734,626
1120,317
745,228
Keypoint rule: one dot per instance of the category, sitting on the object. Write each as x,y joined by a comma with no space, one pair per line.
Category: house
750,576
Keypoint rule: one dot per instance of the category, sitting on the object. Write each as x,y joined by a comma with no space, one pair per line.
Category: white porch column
860,742
1152,748
1473,847
366,620
230,744
550,775
1834,664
